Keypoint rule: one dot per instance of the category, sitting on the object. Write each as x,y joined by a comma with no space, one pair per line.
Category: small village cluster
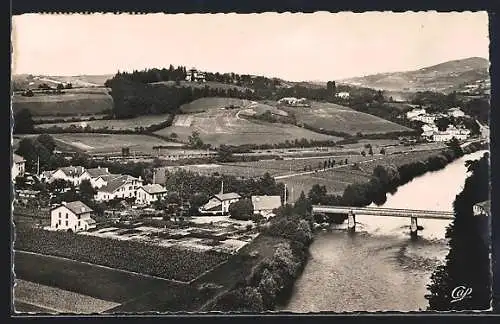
76,216
430,129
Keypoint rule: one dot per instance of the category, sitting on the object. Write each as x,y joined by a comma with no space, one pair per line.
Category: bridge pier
351,222
414,227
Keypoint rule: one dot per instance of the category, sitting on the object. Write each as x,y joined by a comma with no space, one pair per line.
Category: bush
241,210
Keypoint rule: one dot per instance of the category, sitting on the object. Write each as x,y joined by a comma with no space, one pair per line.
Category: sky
297,47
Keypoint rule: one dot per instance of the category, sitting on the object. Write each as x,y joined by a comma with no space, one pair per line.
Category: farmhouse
342,95
426,118
97,176
71,174
149,193
18,166
482,208
455,112
194,75
414,113
449,133
73,216
118,186
292,101
219,204
264,205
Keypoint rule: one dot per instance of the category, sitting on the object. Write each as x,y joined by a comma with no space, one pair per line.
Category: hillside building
72,174
118,186
342,95
455,112
193,75
294,102
415,113
265,205
150,193
18,166
73,216
450,133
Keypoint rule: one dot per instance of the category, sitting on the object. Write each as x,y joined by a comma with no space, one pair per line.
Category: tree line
468,262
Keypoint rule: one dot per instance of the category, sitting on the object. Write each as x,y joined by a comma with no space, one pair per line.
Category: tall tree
23,122
467,263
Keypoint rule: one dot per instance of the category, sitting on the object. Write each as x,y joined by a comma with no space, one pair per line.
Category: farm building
455,112
292,101
18,166
414,113
149,193
264,205
74,216
71,174
97,176
219,204
342,95
194,75
118,186
449,133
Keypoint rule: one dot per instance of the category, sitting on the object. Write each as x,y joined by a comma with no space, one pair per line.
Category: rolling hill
445,77
218,125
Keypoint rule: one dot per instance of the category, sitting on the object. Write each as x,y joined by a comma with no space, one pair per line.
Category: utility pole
284,200
38,165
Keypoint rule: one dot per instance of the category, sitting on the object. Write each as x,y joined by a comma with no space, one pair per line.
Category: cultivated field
113,124
109,143
217,103
222,126
26,81
74,102
58,300
127,290
332,117
338,178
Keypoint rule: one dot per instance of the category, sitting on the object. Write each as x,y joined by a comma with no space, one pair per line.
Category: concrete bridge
413,214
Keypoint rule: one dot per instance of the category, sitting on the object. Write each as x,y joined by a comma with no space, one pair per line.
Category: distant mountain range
457,75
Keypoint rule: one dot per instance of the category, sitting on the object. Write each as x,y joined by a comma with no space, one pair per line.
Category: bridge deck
389,212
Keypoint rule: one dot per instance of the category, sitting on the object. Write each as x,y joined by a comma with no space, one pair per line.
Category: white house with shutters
73,216
73,174
150,193
118,186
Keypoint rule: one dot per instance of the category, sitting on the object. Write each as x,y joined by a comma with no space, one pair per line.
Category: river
380,268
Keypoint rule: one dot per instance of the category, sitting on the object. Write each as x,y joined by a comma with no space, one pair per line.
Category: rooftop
17,159
77,207
486,205
96,172
228,196
266,202
154,188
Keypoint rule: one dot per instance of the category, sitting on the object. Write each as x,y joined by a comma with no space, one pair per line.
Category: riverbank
381,268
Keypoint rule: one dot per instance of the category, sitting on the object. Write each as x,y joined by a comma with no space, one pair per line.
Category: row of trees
133,99
270,281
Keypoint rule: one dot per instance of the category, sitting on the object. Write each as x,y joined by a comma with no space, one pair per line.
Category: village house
73,216
96,176
265,205
426,118
194,75
450,133
342,95
118,186
150,193
292,101
18,166
414,113
455,112
72,174
219,204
